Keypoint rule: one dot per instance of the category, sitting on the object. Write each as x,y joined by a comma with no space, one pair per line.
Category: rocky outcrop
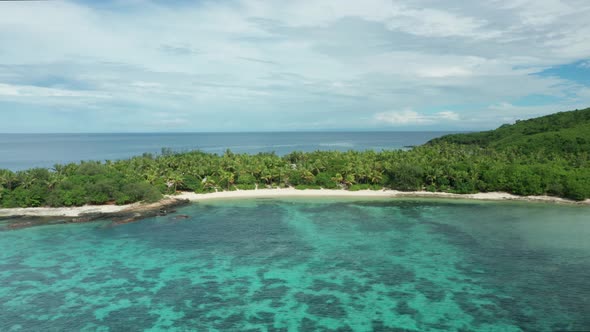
131,214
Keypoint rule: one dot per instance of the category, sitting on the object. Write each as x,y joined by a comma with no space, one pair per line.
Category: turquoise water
305,265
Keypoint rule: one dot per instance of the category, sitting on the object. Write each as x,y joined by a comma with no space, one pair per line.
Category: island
545,158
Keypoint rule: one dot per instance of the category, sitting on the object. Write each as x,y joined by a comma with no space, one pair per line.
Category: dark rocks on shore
18,222
161,208
180,217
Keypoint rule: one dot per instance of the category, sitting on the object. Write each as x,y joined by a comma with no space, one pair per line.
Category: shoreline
123,214
174,200
385,193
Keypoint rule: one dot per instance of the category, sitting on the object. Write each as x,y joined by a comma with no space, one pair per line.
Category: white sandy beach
292,192
278,193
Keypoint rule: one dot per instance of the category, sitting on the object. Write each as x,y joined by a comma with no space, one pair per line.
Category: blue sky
141,66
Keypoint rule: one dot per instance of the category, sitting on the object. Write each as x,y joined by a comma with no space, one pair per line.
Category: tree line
546,155
440,167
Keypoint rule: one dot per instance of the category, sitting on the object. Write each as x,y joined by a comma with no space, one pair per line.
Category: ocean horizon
24,151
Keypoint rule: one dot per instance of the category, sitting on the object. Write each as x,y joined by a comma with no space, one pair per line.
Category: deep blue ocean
22,151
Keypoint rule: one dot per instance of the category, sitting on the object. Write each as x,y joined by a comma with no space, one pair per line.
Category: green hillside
564,132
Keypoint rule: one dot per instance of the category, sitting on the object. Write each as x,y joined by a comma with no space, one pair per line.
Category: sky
250,65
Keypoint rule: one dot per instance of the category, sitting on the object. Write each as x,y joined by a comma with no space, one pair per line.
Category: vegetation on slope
564,132
548,155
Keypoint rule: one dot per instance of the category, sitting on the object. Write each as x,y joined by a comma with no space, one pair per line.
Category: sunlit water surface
305,265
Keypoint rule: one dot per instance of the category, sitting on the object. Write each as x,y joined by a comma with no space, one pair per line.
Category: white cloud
35,91
437,23
141,84
409,117
448,115
175,122
442,72
540,12
393,15
276,63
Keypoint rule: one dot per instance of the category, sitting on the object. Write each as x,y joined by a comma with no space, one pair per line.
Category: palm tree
228,178
151,176
307,176
208,183
6,179
338,178
174,180
53,180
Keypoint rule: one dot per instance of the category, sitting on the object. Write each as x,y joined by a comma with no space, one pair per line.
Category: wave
338,144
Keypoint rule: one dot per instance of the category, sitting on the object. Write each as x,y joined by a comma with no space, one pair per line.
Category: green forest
547,155
562,133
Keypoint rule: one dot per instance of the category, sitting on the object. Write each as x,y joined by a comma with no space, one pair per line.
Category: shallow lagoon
302,264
